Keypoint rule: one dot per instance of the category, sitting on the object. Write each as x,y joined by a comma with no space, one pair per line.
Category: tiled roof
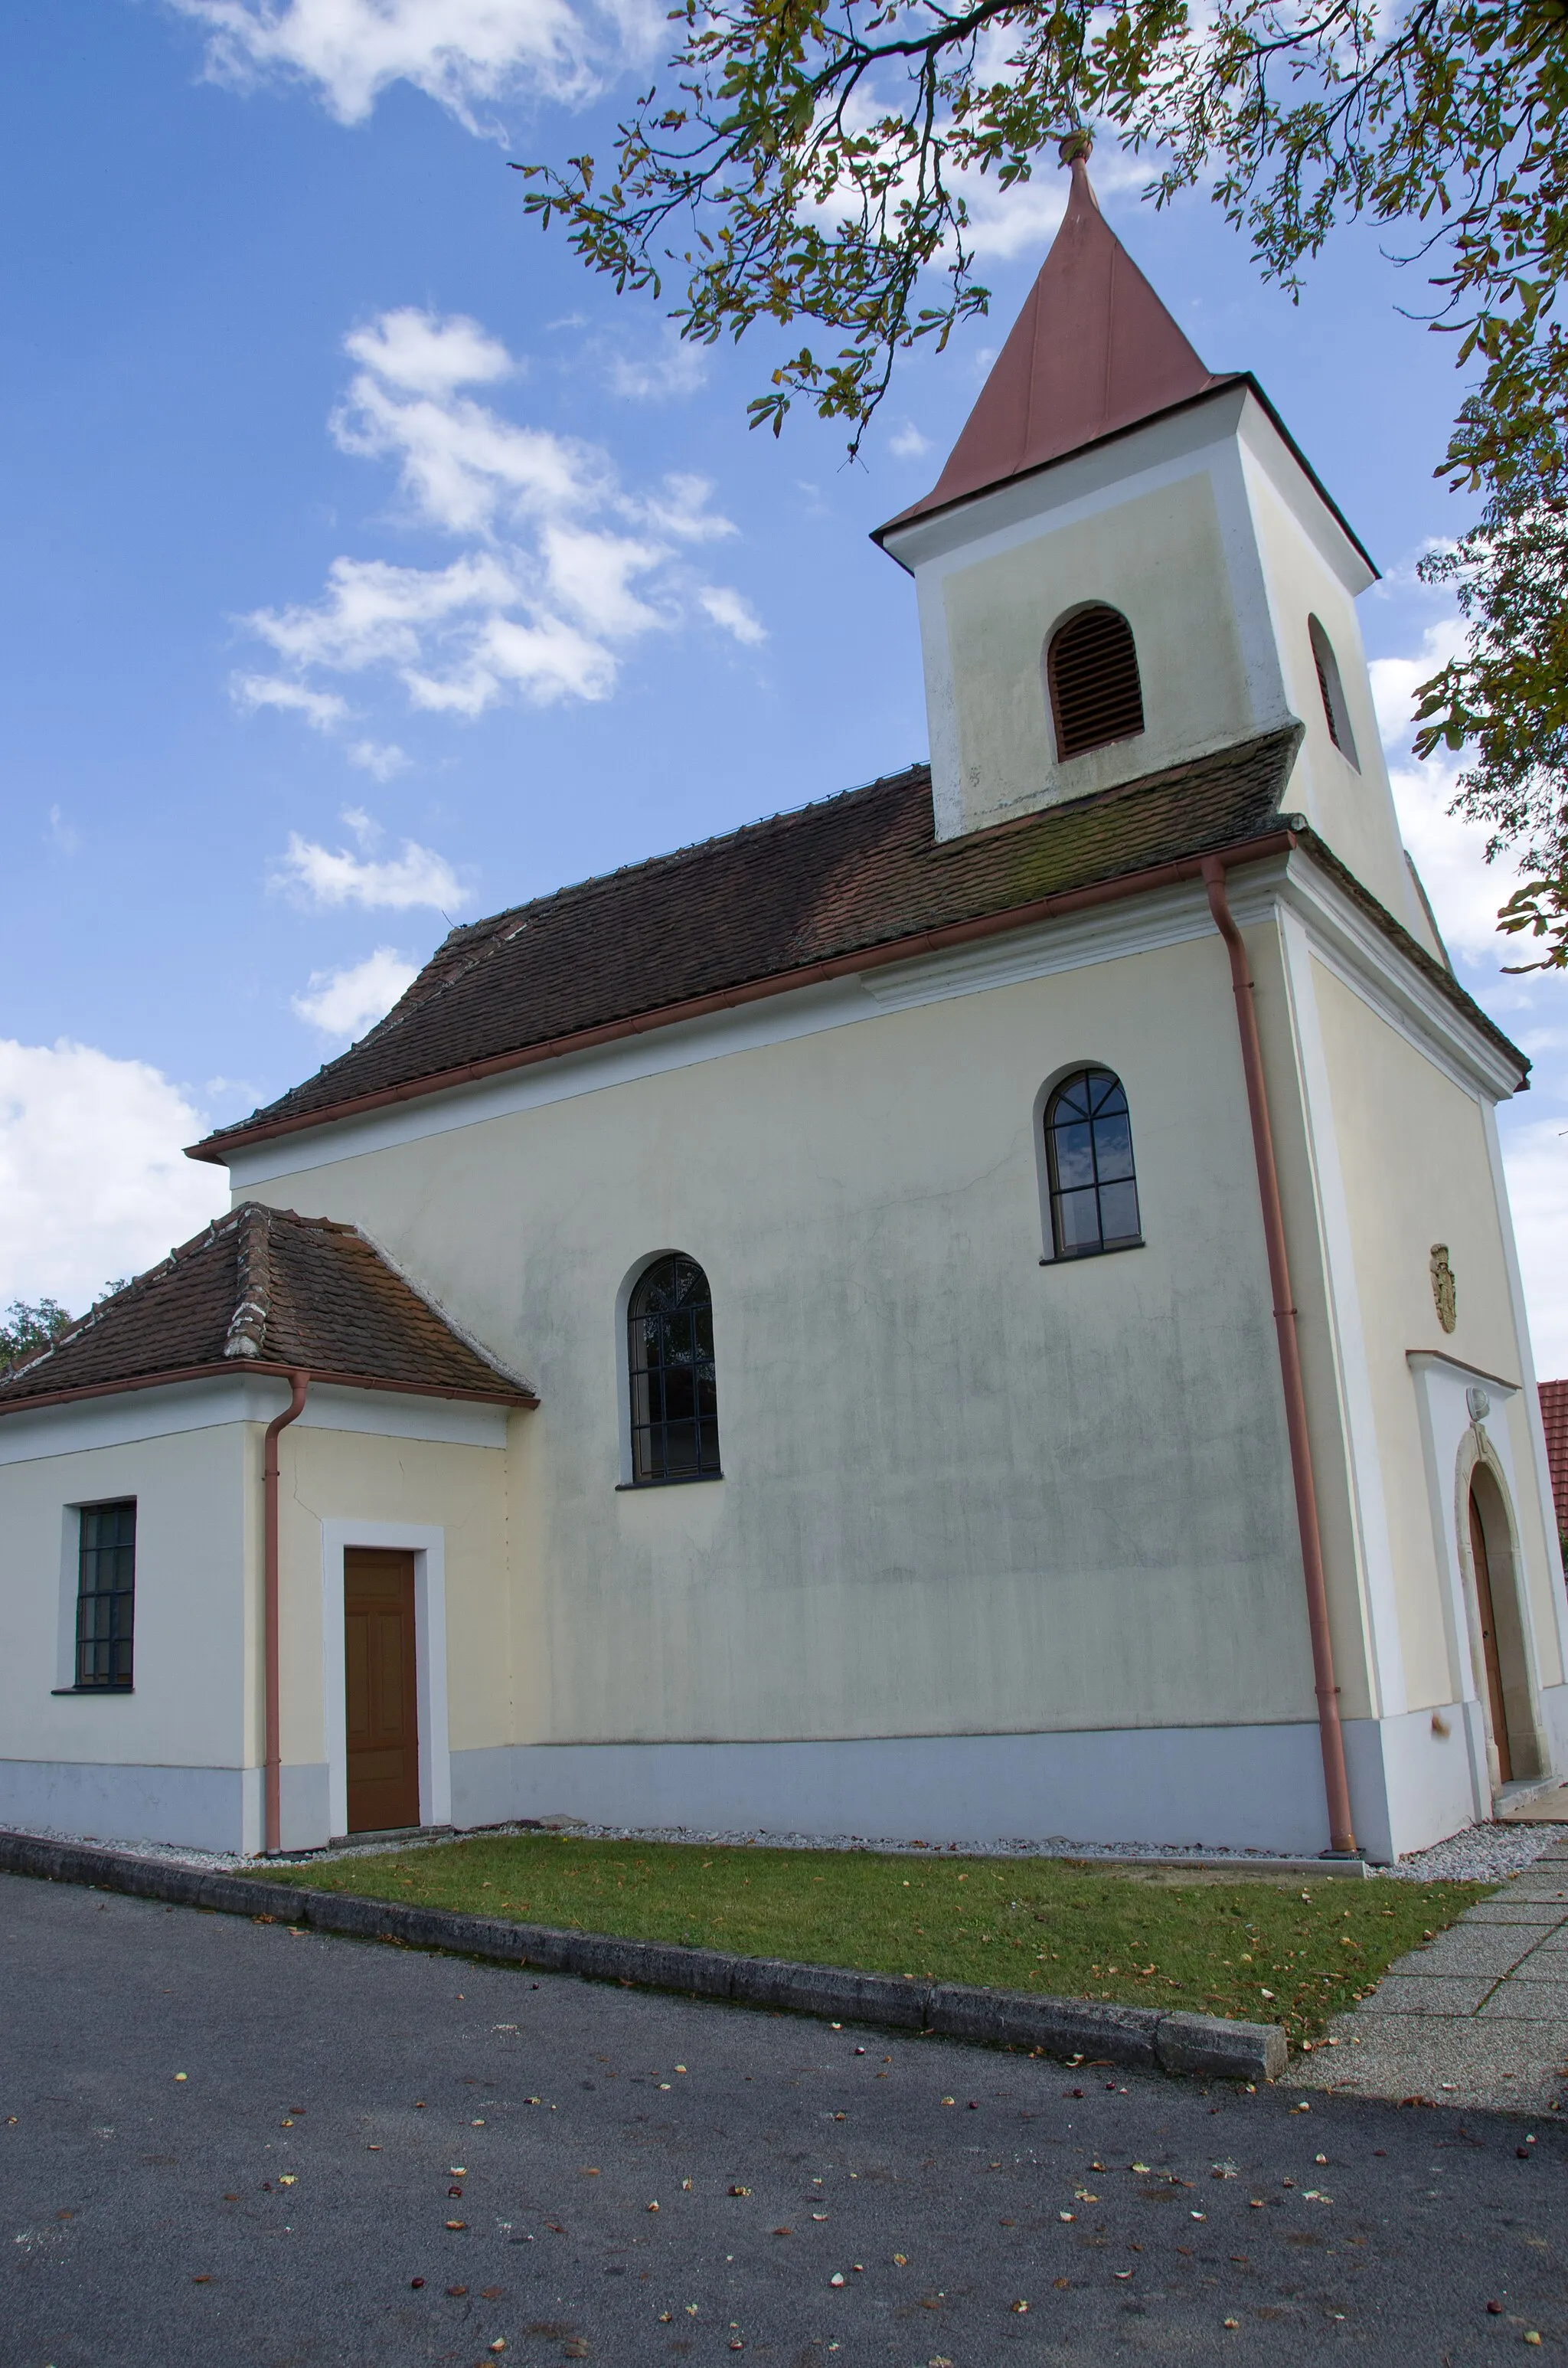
262,1290
1554,1417
826,885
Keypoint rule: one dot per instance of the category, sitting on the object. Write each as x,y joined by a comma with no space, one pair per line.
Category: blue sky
364,562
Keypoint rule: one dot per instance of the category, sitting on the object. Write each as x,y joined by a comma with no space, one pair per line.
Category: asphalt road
294,2198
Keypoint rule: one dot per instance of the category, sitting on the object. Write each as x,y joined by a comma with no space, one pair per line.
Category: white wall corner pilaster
1353,1381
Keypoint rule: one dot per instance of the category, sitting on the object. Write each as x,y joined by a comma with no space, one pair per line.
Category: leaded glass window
675,1395
1088,1151
106,1594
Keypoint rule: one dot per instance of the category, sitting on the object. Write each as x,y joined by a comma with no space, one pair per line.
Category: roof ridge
253,1311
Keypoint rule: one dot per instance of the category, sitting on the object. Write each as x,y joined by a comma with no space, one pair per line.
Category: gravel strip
1489,1853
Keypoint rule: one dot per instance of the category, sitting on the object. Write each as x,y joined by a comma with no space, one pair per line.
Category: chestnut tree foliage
811,163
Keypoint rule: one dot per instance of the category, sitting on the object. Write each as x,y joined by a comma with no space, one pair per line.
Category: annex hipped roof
264,1291
831,888
1093,351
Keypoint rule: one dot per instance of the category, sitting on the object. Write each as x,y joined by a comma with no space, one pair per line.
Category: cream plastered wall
962,1492
186,1708
1159,558
341,1475
1412,1145
1350,805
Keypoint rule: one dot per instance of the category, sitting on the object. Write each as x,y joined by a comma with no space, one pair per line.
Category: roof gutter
1331,1735
300,1383
216,1148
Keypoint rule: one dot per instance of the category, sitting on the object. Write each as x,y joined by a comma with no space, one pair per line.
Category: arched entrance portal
1501,1652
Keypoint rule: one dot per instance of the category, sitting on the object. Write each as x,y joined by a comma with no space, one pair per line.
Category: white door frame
429,1547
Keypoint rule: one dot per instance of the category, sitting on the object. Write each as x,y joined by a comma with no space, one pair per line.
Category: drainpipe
1331,1735
271,1723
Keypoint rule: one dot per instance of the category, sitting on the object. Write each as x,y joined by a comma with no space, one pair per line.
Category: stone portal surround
1476,2017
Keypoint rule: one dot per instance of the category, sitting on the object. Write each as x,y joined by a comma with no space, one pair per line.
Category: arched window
1091,669
675,1396
1088,1157
1335,713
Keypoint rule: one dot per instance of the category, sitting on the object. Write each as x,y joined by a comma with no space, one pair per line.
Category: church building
982,1308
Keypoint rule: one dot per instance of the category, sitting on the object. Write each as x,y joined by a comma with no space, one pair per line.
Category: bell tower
1127,563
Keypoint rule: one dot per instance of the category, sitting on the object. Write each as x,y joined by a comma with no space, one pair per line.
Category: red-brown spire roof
1093,350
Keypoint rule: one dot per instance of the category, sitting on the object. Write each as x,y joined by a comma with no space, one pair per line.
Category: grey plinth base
1139,2036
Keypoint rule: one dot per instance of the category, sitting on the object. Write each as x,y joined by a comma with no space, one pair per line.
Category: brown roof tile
263,1289
825,886
1554,1418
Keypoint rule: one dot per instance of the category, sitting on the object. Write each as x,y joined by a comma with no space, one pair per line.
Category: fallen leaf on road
836,2279
1066,2215
652,2207
457,2223
740,2190
1020,2305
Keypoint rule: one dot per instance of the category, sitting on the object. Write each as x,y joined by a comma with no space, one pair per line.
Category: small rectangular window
106,1595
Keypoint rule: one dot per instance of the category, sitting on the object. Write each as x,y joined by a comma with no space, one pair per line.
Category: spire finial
1077,149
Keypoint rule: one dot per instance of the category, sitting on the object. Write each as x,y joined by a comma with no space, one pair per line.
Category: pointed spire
1093,350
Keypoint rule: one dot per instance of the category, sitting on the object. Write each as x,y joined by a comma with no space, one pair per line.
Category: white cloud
323,711
382,757
1450,855
426,356
465,54
377,613
1535,1156
552,587
906,443
731,609
61,834
678,368
343,1003
92,1182
1395,679
324,877
1448,851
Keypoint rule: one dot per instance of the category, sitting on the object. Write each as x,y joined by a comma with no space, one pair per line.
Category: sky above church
367,565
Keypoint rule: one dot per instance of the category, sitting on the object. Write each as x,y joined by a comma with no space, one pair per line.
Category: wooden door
382,1697
1488,1641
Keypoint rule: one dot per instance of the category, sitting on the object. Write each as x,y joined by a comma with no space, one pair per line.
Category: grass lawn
1290,1952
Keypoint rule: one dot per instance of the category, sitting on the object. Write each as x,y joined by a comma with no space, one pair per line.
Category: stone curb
1193,2044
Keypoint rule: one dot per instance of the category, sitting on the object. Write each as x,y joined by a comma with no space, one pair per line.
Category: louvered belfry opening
1092,670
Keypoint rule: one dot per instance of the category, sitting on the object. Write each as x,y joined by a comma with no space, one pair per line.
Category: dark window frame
104,1647
1093,680
1089,1163
672,1375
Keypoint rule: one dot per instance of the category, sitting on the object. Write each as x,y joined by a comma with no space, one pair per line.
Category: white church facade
982,1308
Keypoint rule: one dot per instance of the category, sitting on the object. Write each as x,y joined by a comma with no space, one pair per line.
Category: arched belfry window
1091,671
675,1393
1336,711
1088,1159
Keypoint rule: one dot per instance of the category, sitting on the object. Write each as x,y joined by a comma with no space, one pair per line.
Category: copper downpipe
271,1658
1331,1733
